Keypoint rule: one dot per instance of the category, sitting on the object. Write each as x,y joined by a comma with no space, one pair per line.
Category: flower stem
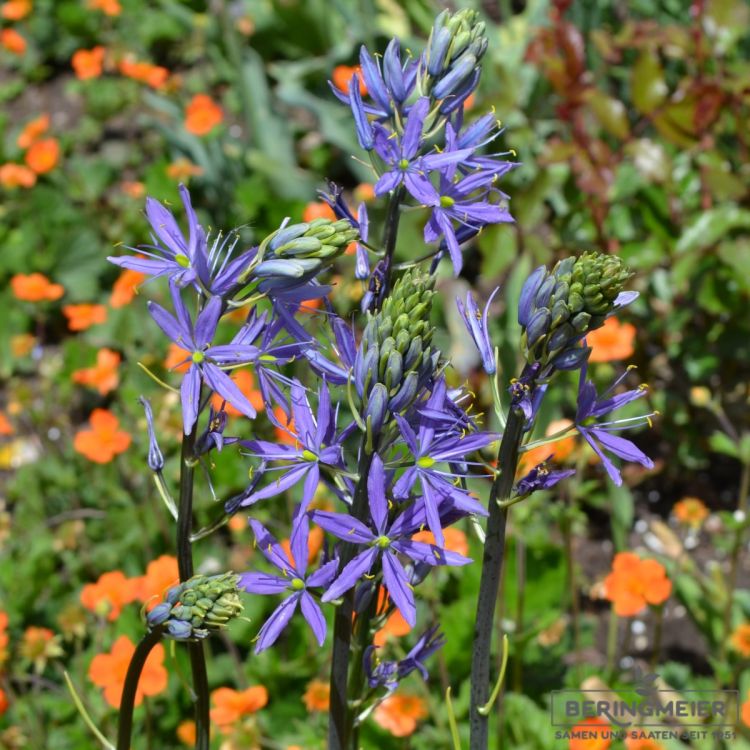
391,233
340,722
185,565
492,566
612,645
127,702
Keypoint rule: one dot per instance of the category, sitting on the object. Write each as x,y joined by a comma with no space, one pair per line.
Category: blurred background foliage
630,121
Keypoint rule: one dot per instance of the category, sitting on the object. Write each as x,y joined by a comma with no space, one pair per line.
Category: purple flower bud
377,407
155,458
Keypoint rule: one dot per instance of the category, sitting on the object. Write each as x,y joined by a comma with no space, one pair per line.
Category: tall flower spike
395,359
558,308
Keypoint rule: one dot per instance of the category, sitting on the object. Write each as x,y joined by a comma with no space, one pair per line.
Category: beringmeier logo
649,710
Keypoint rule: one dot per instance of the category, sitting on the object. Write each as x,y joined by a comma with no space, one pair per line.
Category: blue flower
464,202
316,443
293,580
476,324
207,362
600,435
433,444
385,542
541,478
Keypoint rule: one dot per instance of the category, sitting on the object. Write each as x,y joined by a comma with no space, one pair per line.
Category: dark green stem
391,233
340,722
492,566
127,702
185,565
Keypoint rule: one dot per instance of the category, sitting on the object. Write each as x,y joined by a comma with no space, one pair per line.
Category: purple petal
270,548
302,414
262,583
430,554
388,181
528,293
271,451
169,324
376,484
344,527
323,575
298,540
278,486
227,389
165,227
190,394
397,583
412,137
351,574
278,620
623,448
610,468
208,319
313,615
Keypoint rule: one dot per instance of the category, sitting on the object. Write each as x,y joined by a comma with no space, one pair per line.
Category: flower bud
449,67
558,308
195,608
395,359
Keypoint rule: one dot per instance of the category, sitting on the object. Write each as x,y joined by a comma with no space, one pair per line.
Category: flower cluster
412,124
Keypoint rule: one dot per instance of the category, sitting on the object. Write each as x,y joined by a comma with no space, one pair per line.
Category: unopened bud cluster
395,358
198,606
559,307
298,252
451,59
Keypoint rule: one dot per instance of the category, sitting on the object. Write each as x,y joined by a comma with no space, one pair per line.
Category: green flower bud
197,607
559,307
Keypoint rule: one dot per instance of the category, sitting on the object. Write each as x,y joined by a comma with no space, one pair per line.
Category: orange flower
124,289
81,317
103,375
634,583
455,540
3,702
88,63
35,287
133,188
110,594
232,705
245,381
183,169
32,131
108,671
108,7
15,10
16,175
634,742
12,41
364,192
740,639
314,544
186,733
6,428
317,697
175,359
613,341
342,74
39,645
400,714
593,735
310,305
561,449
155,76
691,511
104,440
160,575
202,115
22,344
745,711
469,102
395,626
42,156
318,210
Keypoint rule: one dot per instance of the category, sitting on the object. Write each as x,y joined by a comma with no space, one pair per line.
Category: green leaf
712,225
721,443
648,84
